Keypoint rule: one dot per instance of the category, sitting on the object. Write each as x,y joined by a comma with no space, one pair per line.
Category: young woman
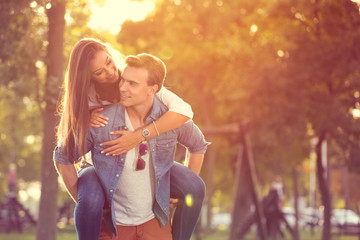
88,87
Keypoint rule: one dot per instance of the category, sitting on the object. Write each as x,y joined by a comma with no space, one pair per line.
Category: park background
288,70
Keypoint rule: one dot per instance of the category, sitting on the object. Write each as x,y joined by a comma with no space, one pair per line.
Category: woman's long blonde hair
74,107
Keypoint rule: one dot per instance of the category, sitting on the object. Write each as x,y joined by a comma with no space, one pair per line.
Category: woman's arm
174,103
69,176
194,161
179,112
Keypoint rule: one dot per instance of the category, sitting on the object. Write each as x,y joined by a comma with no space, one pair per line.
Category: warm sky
115,12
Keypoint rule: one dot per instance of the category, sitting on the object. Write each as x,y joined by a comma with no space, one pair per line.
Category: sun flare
113,13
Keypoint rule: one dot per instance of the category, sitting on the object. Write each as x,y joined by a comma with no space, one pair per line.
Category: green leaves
279,64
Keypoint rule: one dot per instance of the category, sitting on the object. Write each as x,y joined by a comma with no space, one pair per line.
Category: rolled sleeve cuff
200,149
60,157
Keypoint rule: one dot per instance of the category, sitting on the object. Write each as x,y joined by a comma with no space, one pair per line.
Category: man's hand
97,119
173,202
127,141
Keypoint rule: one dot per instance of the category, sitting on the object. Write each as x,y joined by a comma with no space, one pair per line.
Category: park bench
347,230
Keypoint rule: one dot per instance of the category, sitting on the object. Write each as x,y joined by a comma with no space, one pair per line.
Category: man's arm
194,161
190,136
69,176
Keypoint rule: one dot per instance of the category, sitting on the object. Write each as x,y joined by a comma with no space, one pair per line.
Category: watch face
146,132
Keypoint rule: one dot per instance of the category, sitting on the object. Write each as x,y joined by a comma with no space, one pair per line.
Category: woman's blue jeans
91,200
185,185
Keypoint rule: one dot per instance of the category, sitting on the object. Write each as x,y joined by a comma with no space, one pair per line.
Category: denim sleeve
192,138
60,156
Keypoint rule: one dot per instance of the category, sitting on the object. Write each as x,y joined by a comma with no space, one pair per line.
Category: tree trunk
245,193
210,164
324,189
46,228
344,176
242,199
296,204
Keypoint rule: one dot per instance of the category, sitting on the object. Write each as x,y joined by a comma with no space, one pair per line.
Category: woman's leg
189,188
88,210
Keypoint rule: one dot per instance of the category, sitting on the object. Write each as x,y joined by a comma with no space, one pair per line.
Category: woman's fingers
120,145
97,119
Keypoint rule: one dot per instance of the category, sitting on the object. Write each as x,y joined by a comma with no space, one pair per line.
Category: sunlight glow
30,139
113,13
355,113
253,28
189,200
357,94
280,53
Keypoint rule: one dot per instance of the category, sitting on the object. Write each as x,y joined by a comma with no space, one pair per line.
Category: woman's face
103,68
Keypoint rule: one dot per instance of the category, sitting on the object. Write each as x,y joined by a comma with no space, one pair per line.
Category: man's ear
153,89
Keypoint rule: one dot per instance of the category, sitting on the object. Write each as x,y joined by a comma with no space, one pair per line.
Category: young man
137,184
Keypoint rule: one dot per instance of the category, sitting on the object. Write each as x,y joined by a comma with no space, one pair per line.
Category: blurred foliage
21,34
288,67
281,65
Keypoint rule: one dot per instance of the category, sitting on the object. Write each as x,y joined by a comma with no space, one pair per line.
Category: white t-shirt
135,193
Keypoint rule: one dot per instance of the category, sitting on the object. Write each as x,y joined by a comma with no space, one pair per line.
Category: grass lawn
68,233
30,234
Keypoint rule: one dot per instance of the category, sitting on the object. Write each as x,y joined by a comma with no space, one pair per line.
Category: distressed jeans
185,185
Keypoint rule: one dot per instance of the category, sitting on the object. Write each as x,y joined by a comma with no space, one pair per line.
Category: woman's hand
97,119
128,140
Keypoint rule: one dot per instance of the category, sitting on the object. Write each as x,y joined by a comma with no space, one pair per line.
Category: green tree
286,66
21,131
323,70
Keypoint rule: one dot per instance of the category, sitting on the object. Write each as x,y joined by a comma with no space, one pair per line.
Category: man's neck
138,114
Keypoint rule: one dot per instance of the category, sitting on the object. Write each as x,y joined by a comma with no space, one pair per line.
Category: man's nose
123,86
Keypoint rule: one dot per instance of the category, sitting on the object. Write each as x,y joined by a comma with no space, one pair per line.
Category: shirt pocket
165,149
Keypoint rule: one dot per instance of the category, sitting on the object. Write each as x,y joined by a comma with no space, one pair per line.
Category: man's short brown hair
155,67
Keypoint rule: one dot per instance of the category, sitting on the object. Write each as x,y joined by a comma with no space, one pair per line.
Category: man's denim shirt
109,168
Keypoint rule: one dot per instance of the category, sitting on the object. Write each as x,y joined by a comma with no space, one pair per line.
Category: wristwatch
146,133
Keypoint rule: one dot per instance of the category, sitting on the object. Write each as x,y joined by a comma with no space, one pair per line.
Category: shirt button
117,175
158,182
165,209
111,190
167,145
153,149
122,159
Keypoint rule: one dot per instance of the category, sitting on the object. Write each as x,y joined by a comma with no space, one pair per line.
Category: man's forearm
194,162
69,176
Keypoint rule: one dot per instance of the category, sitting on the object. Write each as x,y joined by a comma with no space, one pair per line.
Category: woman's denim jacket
109,168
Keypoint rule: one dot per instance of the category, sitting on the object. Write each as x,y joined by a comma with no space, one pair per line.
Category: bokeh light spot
189,200
166,53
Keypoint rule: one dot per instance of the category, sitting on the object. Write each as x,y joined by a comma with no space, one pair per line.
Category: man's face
134,89
103,68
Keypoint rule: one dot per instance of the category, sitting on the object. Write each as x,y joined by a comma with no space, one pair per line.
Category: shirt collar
157,110
119,117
